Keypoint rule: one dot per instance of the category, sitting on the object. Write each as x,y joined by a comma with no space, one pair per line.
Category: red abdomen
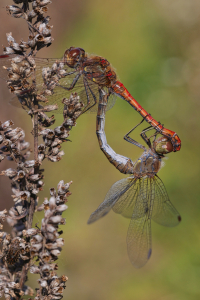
119,89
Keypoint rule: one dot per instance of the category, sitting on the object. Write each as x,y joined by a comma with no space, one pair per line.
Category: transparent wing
117,190
48,62
59,92
139,231
5,61
164,213
126,202
88,94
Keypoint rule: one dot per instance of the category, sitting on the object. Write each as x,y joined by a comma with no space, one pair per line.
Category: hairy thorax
99,70
148,164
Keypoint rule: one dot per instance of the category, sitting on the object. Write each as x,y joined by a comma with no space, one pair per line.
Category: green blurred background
155,47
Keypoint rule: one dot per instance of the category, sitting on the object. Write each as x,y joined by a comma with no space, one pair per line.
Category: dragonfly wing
5,61
139,231
93,95
111,101
40,63
114,194
164,213
60,91
88,94
126,202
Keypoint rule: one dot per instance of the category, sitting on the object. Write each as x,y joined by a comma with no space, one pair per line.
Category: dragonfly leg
130,140
88,106
147,139
72,84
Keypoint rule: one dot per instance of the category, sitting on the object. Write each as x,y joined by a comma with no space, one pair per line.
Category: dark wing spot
149,253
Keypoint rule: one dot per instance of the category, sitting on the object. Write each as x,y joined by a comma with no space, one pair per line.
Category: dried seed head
36,239
52,202
1,157
34,177
3,215
34,269
46,257
63,188
14,10
64,278
43,2
36,247
43,283
9,172
32,14
61,208
55,252
30,163
24,195
21,174
56,142
6,125
8,50
55,219
31,40
30,232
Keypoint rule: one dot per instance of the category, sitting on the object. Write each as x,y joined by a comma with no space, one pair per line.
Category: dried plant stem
33,197
35,132
23,276
31,211
36,248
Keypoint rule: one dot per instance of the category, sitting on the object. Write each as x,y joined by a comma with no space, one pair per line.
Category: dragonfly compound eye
73,56
163,145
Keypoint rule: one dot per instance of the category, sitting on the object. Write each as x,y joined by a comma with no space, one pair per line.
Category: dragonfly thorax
99,70
148,164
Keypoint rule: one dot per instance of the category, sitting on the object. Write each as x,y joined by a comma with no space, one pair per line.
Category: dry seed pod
55,252
36,247
61,208
1,157
32,14
52,202
56,142
7,124
30,232
36,239
9,172
29,163
34,269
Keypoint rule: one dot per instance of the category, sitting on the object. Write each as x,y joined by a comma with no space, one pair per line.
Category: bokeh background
154,46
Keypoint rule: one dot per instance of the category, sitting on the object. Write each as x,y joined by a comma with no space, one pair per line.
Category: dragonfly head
73,56
162,145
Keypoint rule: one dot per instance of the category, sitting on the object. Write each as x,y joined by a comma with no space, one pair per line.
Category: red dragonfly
142,197
85,74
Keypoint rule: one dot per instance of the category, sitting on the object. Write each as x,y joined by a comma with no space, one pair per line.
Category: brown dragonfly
83,76
86,74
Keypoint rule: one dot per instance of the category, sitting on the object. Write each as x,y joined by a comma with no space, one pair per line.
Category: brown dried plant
29,248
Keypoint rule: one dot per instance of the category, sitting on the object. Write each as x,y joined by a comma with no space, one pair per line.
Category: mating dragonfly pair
142,196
